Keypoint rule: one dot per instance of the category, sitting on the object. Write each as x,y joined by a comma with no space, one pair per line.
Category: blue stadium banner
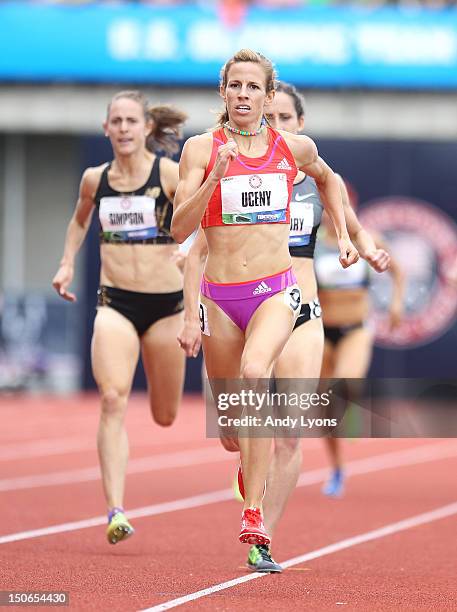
186,44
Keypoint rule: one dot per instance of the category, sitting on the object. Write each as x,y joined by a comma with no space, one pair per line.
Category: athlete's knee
164,415
164,420
287,447
253,369
113,402
230,444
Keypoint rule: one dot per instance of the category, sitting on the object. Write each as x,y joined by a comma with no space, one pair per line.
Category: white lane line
64,446
180,504
430,452
136,466
376,534
410,456
43,448
182,459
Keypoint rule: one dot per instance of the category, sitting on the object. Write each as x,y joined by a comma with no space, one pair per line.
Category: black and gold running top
140,217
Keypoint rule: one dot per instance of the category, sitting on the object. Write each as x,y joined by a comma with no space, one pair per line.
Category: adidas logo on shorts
262,288
283,165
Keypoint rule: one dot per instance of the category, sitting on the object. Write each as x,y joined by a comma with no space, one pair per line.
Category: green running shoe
260,560
118,527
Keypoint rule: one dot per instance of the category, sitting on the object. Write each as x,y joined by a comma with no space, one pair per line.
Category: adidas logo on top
283,165
262,288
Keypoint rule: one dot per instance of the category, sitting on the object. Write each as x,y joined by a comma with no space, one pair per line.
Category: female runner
237,181
140,298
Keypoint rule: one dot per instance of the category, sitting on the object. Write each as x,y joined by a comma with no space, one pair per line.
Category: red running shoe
241,483
252,528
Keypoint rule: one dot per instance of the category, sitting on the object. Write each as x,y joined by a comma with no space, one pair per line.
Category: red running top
254,190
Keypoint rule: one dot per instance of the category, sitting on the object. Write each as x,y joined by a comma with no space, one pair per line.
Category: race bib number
128,217
301,223
203,314
315,310
292,299
254,198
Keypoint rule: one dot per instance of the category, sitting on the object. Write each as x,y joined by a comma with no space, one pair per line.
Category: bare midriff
344,306
237,254
147,268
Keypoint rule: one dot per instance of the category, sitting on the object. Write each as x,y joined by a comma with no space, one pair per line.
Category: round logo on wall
423,240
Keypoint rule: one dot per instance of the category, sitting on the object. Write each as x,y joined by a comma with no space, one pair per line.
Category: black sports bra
140,217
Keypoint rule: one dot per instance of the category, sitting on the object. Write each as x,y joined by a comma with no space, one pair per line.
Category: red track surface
173,554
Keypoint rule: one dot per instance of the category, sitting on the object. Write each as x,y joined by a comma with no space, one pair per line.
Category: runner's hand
348,253
379,260
226,153
190,339
62,280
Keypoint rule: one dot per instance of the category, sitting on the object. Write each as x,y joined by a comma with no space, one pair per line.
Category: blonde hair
167,122
247,55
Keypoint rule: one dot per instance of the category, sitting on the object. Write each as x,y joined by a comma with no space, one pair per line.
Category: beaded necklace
245,132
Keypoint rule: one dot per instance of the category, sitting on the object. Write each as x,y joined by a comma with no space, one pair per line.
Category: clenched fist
225,154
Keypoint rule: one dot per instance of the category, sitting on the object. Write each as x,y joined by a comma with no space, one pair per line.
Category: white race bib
128,217
254,198
301,223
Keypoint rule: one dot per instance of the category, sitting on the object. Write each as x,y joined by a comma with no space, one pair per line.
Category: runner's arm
76,233
190,335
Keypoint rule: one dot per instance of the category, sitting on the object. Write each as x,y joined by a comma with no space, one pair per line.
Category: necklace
245,132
